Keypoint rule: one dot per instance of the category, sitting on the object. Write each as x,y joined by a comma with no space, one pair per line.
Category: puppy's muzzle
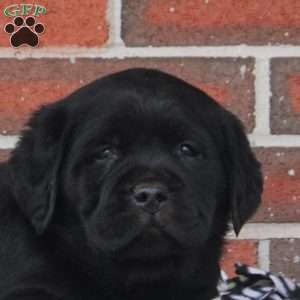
150,196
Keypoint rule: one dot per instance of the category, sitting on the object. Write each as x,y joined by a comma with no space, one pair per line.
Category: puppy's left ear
35,164
243,172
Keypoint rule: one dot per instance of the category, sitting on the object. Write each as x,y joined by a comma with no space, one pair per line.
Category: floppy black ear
243,170
35,163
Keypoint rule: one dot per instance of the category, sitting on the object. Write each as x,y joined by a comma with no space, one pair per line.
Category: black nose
150,196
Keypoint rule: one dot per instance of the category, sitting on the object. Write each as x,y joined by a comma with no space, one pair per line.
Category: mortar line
262,96
266,231
114,18
273,140
119,51
264,254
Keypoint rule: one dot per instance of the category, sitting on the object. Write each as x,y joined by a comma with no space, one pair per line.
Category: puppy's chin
150,257
151,244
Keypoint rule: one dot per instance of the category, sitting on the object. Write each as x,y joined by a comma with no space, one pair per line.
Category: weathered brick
285,257
67,23
20,97
294,91
199,22
243,251
281,196
26,84
285,101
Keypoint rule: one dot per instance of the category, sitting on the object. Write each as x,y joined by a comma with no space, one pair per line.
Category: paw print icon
24,31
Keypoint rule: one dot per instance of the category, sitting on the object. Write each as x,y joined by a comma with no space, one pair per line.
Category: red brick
281,196
294,92
199,22
23,97
285,257
4,155
285,101
222,93
67,23
243,251
26,84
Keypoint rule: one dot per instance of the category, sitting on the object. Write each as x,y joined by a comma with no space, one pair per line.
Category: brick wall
246,54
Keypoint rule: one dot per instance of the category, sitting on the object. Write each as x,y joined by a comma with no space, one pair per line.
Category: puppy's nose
150,196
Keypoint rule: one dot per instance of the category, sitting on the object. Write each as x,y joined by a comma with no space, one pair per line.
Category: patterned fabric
254,284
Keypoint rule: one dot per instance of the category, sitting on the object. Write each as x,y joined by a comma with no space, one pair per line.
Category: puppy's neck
173,293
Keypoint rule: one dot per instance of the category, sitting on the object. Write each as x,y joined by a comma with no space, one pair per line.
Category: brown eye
187,150
190,150
106,153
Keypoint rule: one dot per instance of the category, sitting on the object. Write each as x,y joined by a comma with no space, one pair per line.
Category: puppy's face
144,170
141,169
145,181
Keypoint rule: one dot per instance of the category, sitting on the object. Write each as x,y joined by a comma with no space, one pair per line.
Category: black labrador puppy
124,190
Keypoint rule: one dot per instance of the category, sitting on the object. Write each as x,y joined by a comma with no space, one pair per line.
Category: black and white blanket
255,284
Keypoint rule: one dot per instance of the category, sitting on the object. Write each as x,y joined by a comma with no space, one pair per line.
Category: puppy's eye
107,152
188,149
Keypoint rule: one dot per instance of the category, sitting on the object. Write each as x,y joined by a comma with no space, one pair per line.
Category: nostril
161,197
141,197
148,195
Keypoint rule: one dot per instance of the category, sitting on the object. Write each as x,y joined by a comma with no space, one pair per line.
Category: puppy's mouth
152,249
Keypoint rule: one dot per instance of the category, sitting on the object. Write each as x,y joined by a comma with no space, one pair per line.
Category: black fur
71,223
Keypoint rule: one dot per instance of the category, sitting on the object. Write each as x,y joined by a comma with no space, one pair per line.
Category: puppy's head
147,168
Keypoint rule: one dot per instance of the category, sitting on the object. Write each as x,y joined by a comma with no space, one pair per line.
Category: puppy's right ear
35,164
243,170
